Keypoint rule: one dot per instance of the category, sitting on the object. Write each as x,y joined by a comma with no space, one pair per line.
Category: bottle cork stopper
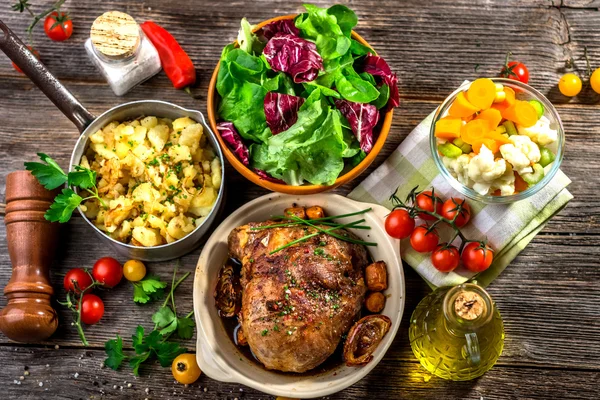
115,34
469,305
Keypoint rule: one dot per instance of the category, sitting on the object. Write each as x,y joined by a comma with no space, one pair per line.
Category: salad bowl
523,92
346,175
216,353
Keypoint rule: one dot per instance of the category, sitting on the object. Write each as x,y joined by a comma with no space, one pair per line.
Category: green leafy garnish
51,176
114,350
149,288
154,345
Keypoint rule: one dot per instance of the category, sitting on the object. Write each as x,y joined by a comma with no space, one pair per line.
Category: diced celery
539,107
449,150
510,127
461,144
546,157
534,177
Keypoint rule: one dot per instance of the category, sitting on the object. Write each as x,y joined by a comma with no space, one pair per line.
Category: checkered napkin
509,228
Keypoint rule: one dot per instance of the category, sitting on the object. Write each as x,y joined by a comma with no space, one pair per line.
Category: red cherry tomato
423,241
450,209
445,259
108,271
35,53
58,27
516,71
477,258
92,309
80,277
425,201
399,224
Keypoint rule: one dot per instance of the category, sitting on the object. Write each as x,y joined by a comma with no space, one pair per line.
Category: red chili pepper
177,64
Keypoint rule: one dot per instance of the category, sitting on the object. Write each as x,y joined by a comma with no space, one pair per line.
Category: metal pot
87,124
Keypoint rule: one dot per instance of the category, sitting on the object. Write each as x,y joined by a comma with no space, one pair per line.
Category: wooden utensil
28,316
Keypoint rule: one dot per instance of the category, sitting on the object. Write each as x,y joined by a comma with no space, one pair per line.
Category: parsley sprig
149,288
155,345
50,175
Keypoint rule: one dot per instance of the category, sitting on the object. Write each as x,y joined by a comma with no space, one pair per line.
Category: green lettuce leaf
322,27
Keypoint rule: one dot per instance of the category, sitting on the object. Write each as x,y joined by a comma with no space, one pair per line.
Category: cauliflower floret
483,170
506,183
541,133
458,168
521,153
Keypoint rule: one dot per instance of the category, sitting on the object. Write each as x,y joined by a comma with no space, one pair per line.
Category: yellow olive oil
457,332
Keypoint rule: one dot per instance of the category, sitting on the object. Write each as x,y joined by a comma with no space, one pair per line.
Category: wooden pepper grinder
28,316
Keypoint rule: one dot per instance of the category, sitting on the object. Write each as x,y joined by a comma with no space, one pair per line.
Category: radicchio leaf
267,177
362,119
295,56
281,111
234,141
377,66
283,26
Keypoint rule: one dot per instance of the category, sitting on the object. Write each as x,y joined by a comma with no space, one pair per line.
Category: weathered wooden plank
432,46
540,297
76,374
50,132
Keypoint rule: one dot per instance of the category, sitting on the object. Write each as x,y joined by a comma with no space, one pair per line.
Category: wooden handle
28,316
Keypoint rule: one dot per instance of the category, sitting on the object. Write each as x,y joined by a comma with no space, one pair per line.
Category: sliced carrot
491,144
448,128
496,192
461,107
498,137
522,113
474,130
482,93
520,184
491,115
509,100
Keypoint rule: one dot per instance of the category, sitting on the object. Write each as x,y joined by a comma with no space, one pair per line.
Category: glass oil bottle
457,332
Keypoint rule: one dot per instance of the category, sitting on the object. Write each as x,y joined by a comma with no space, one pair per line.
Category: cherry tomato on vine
92,309
516,71
58,27
450,209
35,53
425,200
134,270
399,224
185,369
445,258
569,84
423,241
108,271
477,257
80,277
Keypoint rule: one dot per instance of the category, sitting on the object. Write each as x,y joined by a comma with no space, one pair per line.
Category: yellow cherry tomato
595,81
569,85
185,369
134,270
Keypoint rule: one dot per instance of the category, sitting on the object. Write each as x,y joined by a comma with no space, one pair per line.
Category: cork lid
115,34
469,305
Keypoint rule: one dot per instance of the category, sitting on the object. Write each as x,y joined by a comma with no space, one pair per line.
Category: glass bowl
523,92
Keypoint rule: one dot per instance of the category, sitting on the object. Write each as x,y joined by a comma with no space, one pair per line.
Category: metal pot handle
16,50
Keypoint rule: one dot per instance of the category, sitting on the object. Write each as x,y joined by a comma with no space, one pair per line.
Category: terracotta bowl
213,101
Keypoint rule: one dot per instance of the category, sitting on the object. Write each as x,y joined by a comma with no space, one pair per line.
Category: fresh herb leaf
50,175
185,327
136,361
114,351
82,177
150,288
63,206
138,339
167,351
165,319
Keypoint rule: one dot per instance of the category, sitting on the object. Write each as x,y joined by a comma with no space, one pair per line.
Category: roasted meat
298,302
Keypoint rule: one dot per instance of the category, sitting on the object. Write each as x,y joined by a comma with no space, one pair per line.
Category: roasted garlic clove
228,293
363,339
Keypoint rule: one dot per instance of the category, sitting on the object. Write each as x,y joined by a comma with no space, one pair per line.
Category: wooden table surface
549,296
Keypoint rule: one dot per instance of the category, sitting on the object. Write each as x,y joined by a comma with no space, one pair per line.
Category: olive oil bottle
457,332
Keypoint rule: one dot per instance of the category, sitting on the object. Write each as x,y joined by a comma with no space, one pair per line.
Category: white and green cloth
508,227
